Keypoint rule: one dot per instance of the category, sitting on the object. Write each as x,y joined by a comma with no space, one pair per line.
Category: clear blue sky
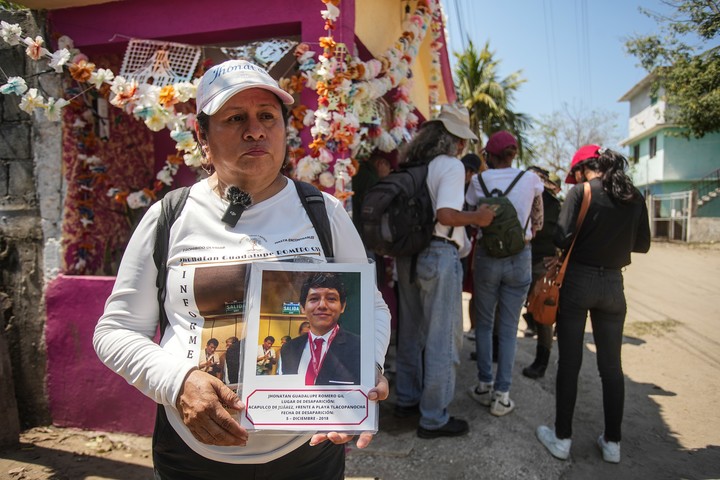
570,51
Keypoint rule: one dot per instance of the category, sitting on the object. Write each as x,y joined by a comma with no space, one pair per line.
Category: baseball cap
585,152
499,141
456,120
471,161
226,79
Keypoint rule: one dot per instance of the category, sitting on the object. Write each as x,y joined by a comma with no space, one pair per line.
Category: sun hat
226,79
544,176
456,120
499,141
472,162
585,152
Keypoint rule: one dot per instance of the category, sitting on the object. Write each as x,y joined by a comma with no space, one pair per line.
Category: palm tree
488,98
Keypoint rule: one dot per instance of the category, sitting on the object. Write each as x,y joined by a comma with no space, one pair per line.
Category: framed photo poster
309,357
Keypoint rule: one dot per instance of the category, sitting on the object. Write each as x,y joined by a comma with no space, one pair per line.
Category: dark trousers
600,292
174,460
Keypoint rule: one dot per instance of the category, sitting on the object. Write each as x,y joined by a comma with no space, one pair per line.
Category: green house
679,177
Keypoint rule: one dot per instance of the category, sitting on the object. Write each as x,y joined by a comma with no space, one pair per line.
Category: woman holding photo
241,115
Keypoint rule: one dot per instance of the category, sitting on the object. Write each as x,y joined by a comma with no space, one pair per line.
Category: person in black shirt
615,225
543,247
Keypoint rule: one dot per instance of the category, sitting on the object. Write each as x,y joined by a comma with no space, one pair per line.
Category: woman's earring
208,168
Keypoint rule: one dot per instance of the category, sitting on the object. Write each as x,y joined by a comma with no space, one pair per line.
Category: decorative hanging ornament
159,63
266,53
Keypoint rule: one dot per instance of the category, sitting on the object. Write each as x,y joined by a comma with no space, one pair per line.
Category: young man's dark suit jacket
341,365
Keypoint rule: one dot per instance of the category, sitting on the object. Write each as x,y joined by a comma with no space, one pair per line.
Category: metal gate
670,215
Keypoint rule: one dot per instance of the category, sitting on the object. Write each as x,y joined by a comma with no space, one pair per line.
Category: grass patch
656,329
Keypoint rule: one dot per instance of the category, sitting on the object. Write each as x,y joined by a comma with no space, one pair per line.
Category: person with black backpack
502,268
245,211
430,281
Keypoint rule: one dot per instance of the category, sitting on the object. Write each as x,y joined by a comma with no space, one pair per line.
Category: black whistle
239,201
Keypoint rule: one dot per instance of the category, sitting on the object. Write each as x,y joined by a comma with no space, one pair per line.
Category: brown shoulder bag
545,295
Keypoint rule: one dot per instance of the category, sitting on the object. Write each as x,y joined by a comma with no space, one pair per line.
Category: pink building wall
83,392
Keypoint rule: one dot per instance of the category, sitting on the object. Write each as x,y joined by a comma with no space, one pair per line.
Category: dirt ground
671,358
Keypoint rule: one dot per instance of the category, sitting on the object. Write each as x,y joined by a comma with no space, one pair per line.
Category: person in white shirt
241,130
328,354
266,357
430,307
501,284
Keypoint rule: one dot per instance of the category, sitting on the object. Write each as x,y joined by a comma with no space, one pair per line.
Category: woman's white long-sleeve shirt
276,228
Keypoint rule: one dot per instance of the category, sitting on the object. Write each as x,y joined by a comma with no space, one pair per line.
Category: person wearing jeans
431,321
501,283
600,291
615,225
430,282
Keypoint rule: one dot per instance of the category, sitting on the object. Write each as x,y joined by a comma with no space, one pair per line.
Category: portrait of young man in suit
328,354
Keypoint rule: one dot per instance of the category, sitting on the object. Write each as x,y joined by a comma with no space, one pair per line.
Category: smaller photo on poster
312,361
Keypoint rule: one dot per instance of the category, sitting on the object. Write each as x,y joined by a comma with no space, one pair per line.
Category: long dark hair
611,166
429,142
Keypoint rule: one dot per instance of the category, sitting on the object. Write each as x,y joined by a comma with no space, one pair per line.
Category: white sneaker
501,404
482,393
610,450
558,448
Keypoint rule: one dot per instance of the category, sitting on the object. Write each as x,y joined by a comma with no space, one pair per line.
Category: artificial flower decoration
99,77
53,108
332,12
140,199
167,96
327,43
193,159
35,49
344,127
10,33
327,179
14,86
58,59
82,70
124,91
30,101
185,140
300,51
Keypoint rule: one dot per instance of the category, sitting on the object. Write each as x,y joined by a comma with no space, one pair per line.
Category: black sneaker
406,412
455,427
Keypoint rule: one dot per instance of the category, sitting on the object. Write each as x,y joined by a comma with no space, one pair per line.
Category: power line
583,51
461,28
550,49
586,47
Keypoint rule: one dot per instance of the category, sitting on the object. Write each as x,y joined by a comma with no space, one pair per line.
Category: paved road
671,359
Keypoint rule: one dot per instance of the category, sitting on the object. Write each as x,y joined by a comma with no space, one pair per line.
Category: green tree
557,136
489,98
685,64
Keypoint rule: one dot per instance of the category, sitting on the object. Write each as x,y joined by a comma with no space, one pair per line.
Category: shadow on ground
62,465
506,447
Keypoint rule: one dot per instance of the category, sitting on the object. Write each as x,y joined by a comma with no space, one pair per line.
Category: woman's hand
202,403
378,393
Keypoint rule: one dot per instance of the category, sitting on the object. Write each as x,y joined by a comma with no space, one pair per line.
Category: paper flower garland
152,104
348,88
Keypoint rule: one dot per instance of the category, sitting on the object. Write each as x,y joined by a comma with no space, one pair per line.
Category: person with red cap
615,225
501,283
